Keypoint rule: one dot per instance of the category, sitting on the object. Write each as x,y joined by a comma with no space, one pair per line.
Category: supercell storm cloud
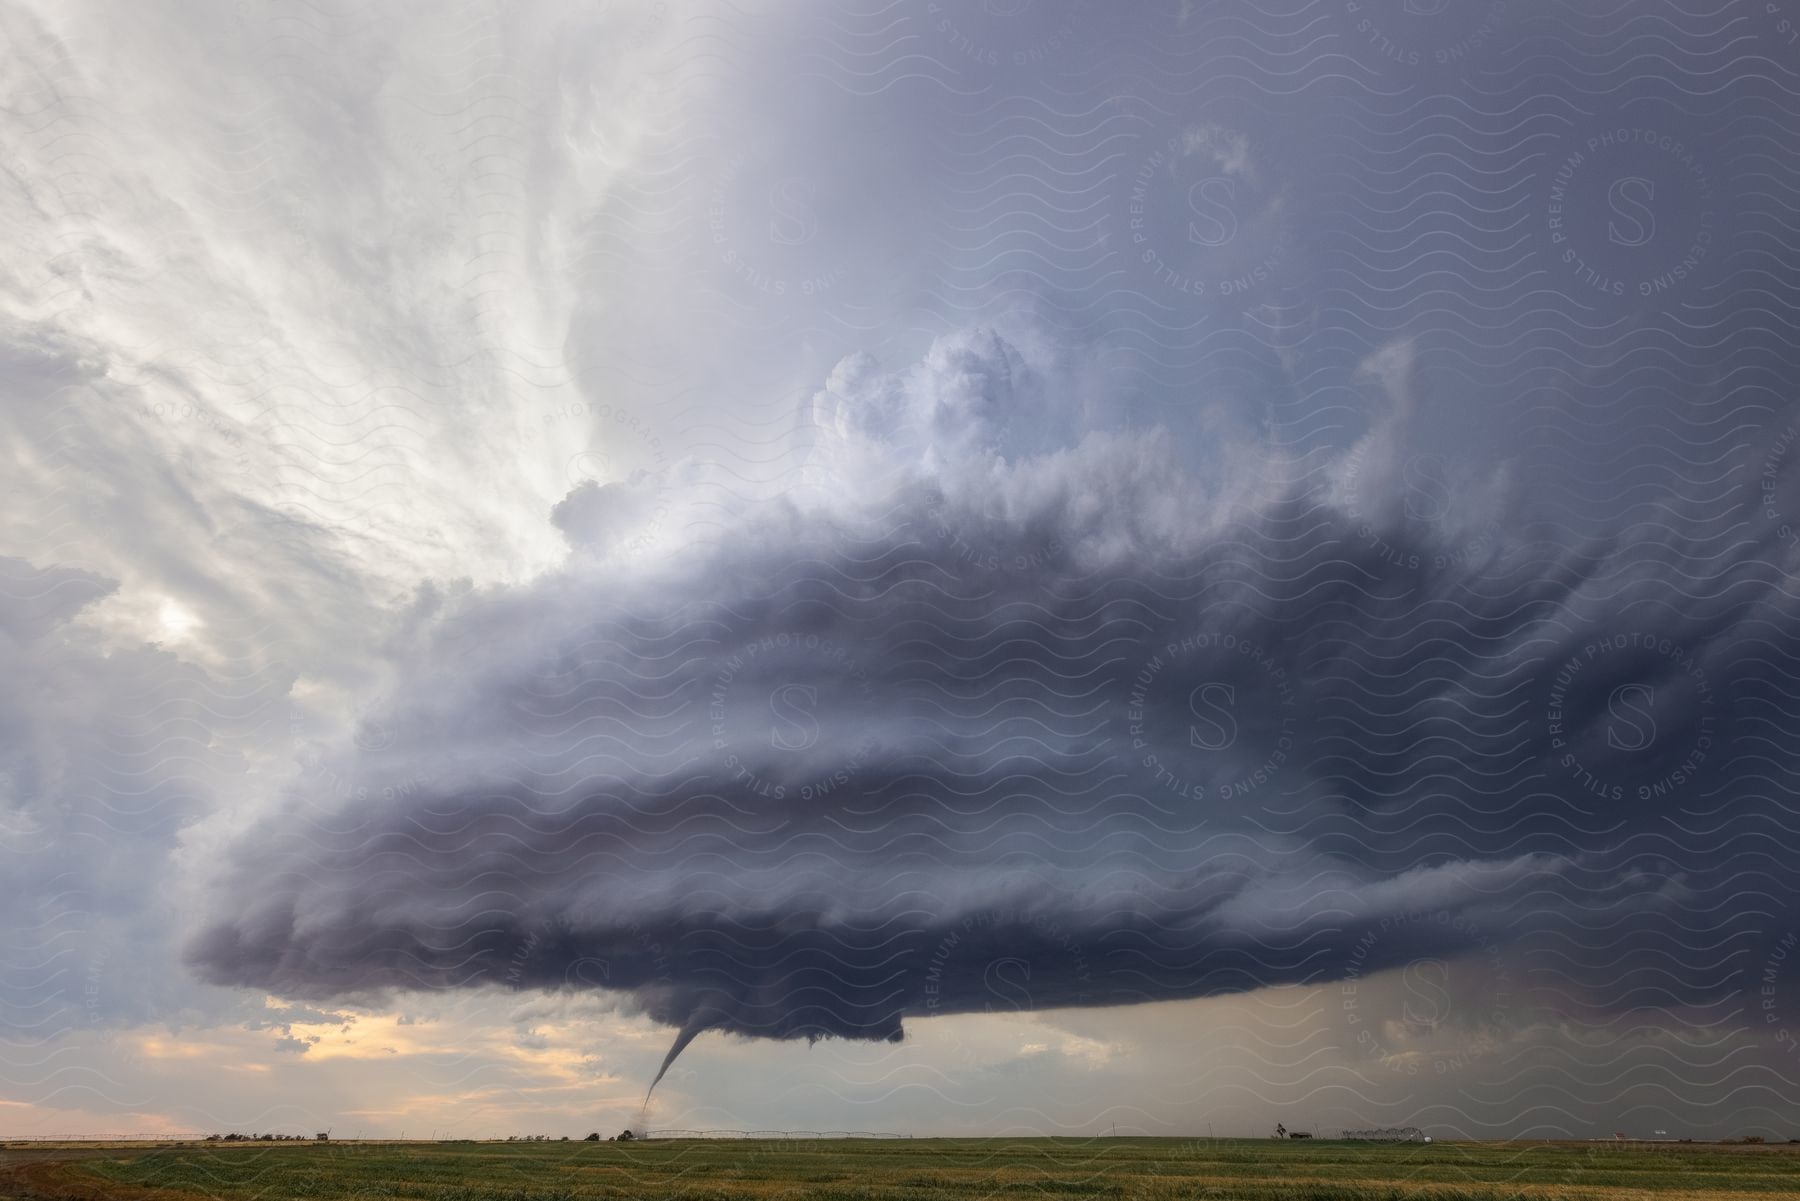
1067,705
1158,564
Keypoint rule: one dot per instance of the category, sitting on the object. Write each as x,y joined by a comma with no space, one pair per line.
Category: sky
999,567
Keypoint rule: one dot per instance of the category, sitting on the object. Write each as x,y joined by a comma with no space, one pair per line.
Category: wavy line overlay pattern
1011,566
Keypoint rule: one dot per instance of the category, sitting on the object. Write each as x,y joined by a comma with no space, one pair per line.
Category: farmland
883,1169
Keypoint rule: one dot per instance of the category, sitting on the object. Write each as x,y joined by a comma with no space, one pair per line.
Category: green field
879,1169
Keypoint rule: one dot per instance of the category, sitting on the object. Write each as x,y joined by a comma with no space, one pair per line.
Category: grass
916,1170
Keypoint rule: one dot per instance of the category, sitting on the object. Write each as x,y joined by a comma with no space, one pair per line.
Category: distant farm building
1388,1134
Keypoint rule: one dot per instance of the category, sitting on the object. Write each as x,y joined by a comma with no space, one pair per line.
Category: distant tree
592,1138
626,1136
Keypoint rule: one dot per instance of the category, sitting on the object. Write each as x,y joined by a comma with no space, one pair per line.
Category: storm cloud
1065,727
